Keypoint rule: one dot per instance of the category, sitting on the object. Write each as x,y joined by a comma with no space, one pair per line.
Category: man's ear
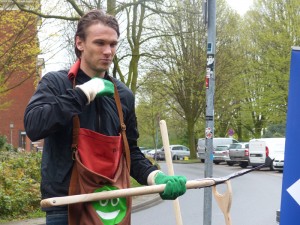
79,43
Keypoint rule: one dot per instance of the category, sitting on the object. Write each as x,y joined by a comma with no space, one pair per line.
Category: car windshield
233,146
221,148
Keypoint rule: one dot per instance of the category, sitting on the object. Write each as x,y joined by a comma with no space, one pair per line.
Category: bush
19,184
3,141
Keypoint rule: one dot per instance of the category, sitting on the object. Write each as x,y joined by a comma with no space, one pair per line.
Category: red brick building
20,70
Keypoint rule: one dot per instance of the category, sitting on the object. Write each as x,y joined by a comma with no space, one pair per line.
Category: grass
37,214
188,161
32,215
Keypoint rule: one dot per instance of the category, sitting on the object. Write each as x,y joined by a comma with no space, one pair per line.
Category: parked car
278,162
221,154
201,145
265,150
178,152
239,154
153,154
144,150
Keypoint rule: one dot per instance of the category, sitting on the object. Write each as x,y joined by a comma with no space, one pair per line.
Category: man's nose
107,50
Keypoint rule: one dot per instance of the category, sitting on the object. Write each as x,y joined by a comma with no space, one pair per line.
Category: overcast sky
240,5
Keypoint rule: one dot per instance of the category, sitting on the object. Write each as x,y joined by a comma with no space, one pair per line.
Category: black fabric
49,115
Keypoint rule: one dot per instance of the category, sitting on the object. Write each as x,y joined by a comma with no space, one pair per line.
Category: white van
201,145
264,151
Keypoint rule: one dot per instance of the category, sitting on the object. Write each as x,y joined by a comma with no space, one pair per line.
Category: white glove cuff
85,91
92,88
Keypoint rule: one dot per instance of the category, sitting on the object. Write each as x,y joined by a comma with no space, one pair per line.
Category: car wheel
229,163
217,162
175,157
202,160
272,166
244,164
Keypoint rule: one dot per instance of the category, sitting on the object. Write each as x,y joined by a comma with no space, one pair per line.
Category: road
255,199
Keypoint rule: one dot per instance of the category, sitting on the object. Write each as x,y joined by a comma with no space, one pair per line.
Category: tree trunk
191,138
111,7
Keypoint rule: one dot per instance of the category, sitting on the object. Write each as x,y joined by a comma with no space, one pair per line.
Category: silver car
178,152
239,154
278,162
221,154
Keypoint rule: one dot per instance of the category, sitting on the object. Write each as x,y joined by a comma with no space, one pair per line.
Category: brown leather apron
101,163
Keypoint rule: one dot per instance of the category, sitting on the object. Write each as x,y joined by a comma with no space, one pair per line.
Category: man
51,109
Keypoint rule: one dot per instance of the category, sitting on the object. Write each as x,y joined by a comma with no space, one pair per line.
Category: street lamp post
11,126
210,19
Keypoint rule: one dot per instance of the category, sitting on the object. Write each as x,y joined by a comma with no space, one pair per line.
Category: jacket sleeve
52,106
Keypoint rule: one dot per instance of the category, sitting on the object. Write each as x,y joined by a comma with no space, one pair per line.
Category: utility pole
209,12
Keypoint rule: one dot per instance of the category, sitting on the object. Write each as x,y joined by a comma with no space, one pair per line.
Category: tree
274,130
18,49
131,14
181,71
179,74
150,109
229,92
271,32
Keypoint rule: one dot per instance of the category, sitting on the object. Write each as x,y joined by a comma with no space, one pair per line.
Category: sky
241,6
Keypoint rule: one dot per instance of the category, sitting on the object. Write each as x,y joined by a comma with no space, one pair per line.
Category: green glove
108,89
175,185
97,87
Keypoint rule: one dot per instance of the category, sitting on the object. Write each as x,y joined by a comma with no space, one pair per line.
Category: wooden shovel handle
224,201
168,157
72,199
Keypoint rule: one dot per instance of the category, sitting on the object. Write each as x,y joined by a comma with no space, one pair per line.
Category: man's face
98,50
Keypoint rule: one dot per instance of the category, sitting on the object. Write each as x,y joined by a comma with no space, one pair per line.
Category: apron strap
72,215
123,126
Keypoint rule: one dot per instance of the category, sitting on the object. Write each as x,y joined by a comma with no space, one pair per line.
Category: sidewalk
138,203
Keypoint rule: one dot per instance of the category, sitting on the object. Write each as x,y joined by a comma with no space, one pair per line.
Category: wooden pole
192,184
168,157
224,201
145,190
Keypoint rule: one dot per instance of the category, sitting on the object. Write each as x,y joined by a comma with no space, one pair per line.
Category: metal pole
11,136
210,89
11,126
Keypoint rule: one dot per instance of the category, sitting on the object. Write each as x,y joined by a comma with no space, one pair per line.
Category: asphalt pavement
138,203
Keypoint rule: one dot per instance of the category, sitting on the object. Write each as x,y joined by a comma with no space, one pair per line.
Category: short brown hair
93,17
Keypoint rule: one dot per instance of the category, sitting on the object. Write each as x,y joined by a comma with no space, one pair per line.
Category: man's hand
175,185
97,87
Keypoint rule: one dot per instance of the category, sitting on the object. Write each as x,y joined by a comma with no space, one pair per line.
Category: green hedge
19,184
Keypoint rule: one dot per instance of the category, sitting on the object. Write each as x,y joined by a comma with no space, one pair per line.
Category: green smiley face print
110,211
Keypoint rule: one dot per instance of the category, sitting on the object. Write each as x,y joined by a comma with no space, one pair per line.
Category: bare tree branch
38,13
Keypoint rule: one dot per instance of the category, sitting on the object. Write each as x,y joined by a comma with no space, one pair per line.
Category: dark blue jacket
49,116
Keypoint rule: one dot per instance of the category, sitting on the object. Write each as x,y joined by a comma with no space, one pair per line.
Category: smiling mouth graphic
108,216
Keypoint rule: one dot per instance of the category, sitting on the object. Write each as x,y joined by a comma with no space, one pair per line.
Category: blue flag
290,197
